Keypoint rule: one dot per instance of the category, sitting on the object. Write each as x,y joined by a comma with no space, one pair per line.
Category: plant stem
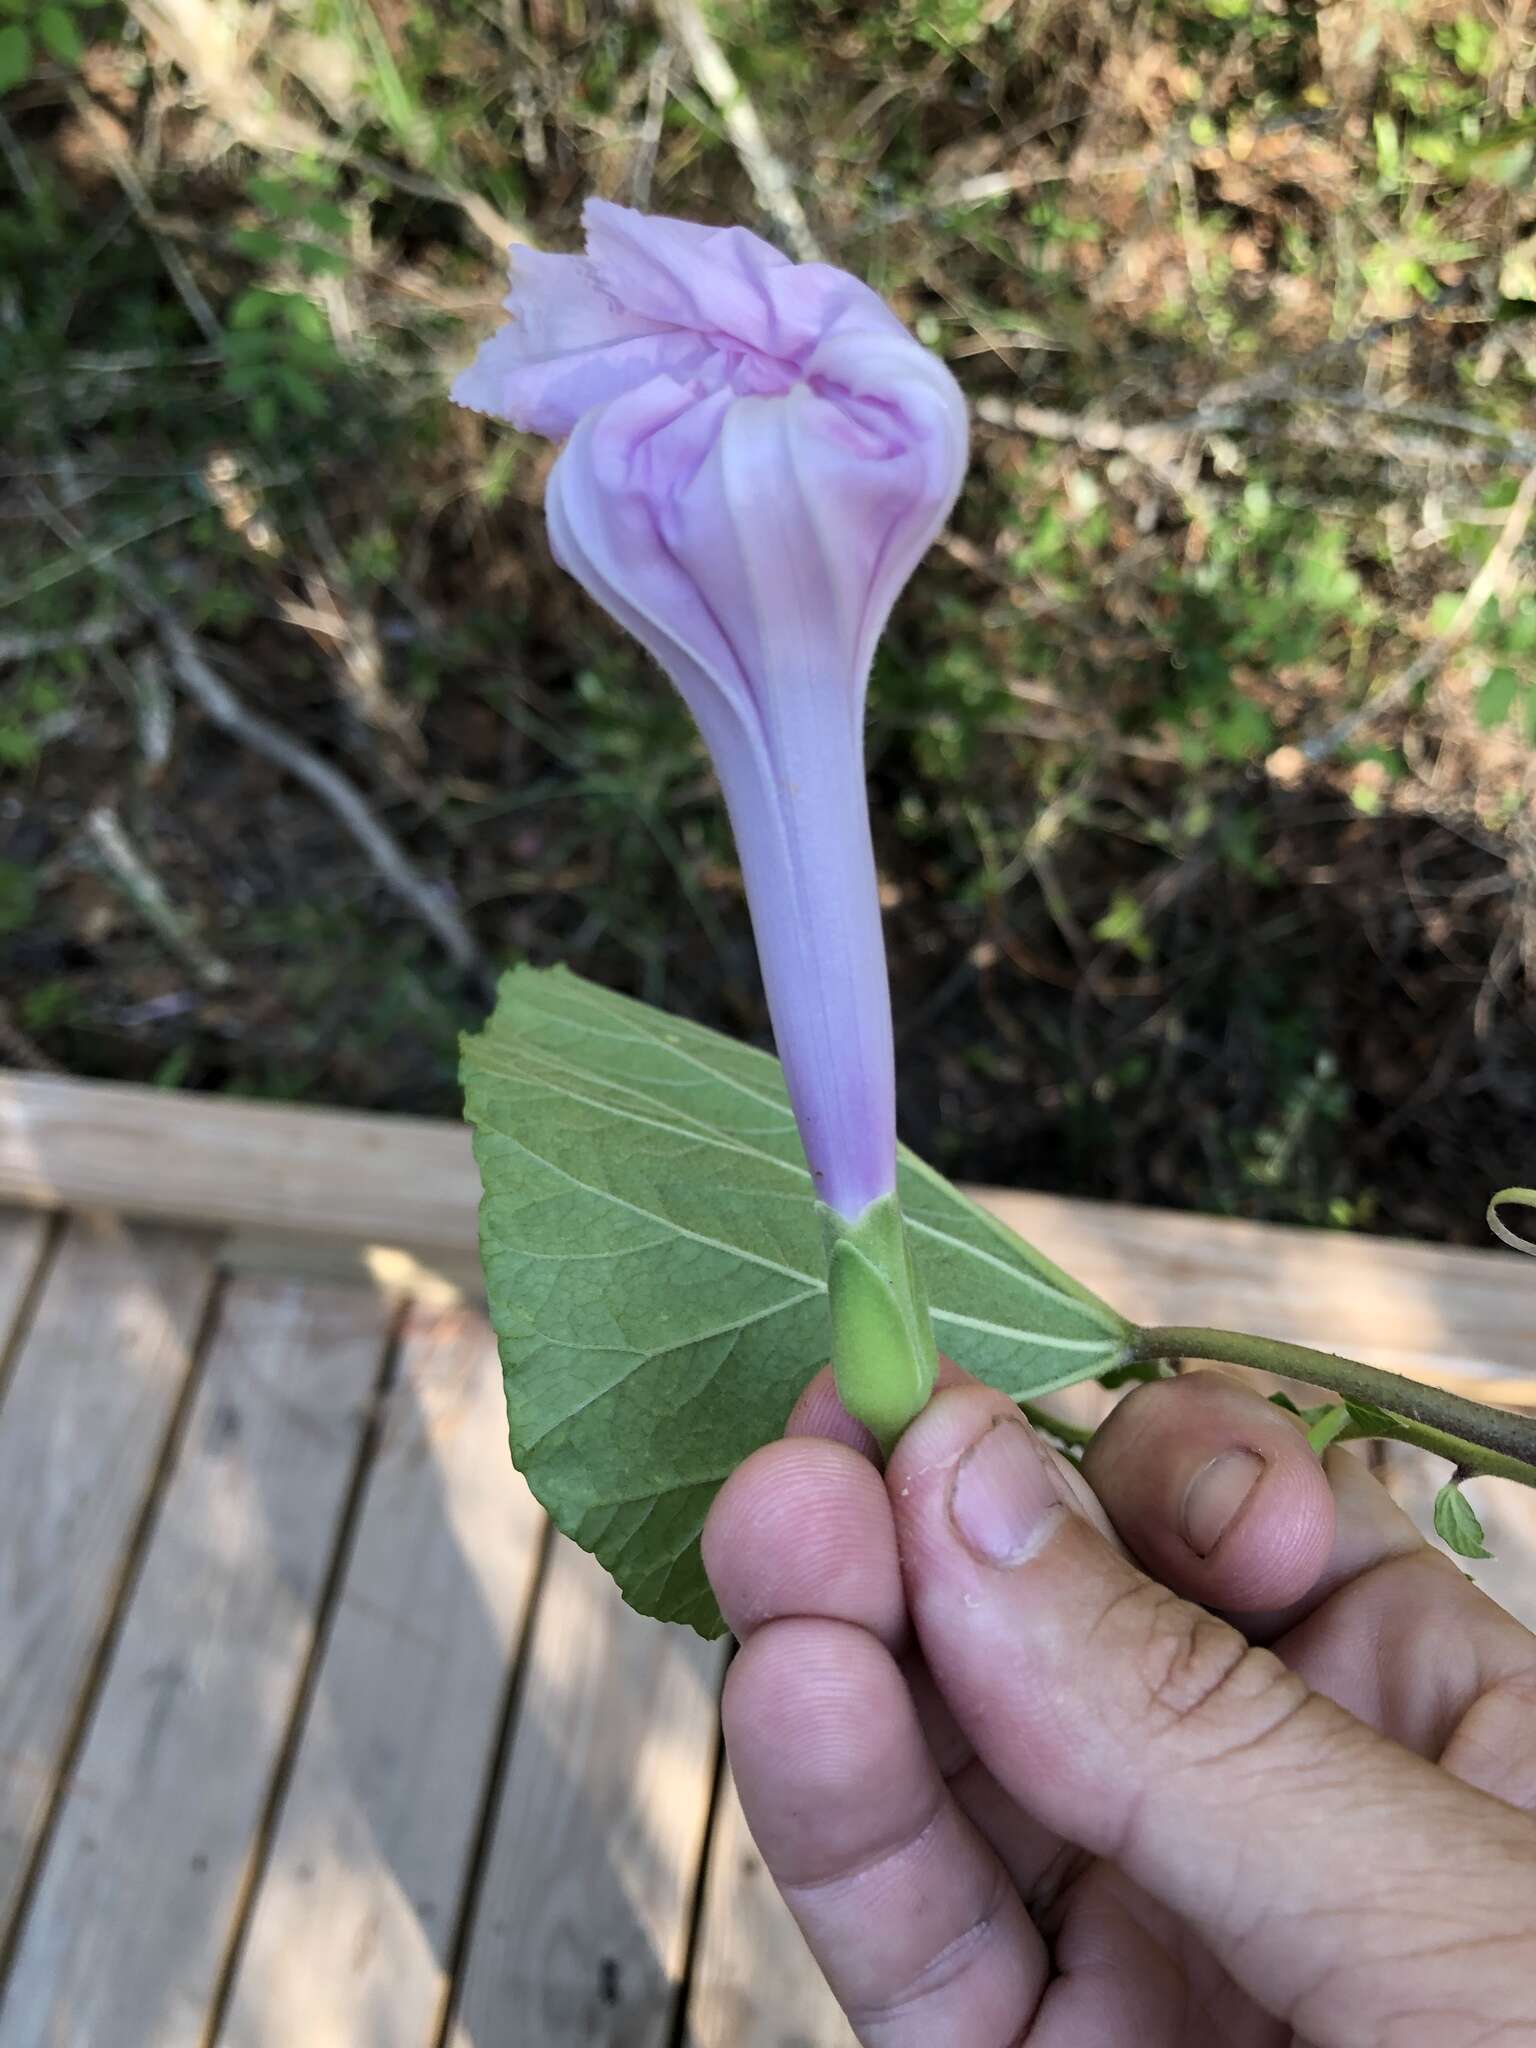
1472,1461
1069,1433
1492,1441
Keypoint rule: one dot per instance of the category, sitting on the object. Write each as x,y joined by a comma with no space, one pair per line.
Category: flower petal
569,346
758,454
894,388
724,282
605,502
735,537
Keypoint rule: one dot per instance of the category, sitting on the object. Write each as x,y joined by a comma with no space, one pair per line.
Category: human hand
1022,1789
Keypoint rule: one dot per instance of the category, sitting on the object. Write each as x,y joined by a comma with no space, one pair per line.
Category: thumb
1351,1888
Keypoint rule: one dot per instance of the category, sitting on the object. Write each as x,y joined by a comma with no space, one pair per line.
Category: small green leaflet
1325,1423
1370,1421
656,1272
1456,1524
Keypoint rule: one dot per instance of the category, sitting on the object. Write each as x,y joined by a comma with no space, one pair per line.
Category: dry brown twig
154,709
89,633
338,614
215,47
1161,450
125,171
197,676
22,1050
122,862
1232,412
770,179
643,166
1491,581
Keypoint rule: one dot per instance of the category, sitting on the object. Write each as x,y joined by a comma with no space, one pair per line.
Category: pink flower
758,454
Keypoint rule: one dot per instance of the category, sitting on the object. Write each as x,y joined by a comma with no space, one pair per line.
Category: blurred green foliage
1244,297
33,31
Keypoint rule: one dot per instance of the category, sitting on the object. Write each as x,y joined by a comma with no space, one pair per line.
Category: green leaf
1371,1421
254,308
1324,1424
316,260
280,196
1495,697
1124,924
306,318
18,896
301,392
1456,1524
58,35
656,1271
15,56
260,245
327,216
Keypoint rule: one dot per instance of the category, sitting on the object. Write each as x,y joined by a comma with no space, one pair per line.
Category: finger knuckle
1200,1688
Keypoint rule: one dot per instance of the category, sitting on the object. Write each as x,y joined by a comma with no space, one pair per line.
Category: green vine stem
1494,1442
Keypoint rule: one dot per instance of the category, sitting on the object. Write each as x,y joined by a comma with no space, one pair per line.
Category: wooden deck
310,1735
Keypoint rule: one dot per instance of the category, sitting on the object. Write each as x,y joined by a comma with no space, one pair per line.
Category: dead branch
1491,580
126,173
121,861
89,633
154,708
648,141
197,676
20,1049
210,45
770,179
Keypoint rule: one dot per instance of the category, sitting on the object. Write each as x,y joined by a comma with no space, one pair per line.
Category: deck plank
754,1982
128,1928
336,1173
23,1242
92,1395
1434,1311
582,1921
358,1905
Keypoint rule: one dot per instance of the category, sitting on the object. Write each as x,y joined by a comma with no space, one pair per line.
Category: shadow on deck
309,1733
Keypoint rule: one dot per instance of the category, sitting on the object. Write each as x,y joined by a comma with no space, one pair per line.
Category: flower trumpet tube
756,456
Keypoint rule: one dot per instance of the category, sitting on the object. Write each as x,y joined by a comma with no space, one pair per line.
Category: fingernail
1215,1495
1005,1494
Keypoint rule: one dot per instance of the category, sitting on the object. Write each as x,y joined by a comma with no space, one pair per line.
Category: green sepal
883,1354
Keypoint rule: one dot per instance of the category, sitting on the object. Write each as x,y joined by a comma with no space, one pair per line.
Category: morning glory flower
757,454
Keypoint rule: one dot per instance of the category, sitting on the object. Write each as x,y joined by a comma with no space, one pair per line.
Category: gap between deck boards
292,1810
320,1741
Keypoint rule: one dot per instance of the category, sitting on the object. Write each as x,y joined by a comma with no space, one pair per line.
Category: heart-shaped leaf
656,1272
